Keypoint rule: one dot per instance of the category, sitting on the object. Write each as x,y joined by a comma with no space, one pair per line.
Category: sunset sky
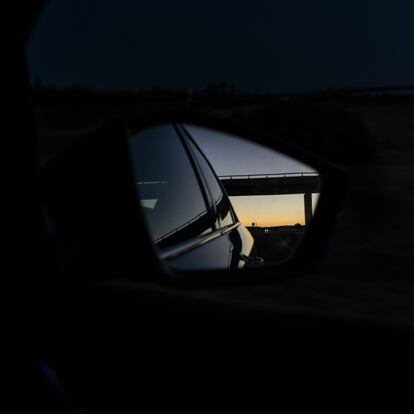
233,156
269,211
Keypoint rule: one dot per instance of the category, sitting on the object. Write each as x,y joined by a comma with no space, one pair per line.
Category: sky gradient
267,45
230,155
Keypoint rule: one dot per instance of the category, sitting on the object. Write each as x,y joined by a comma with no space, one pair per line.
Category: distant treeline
216,91
221,92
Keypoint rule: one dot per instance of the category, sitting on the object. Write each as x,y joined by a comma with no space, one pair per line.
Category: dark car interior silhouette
123,241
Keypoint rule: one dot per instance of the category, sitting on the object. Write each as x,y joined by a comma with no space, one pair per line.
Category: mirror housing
91,203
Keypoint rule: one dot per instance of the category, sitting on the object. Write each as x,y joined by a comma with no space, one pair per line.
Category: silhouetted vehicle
189,215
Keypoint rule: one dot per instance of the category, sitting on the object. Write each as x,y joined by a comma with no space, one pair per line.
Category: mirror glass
215,201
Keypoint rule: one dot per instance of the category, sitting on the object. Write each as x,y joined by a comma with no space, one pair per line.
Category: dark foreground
367,271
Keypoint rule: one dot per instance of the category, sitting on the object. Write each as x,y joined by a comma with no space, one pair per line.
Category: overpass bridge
306,183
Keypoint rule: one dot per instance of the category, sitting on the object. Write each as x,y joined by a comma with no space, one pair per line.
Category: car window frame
178,249
188,136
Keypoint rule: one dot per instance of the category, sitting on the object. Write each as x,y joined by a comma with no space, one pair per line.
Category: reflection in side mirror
215,201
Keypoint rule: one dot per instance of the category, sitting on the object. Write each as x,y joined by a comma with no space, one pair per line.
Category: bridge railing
280,175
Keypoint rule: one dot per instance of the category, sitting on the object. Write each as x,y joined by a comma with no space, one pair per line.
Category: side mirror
214,201
210,196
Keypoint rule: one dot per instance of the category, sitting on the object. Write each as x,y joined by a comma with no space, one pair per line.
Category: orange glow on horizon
247,222
271,211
